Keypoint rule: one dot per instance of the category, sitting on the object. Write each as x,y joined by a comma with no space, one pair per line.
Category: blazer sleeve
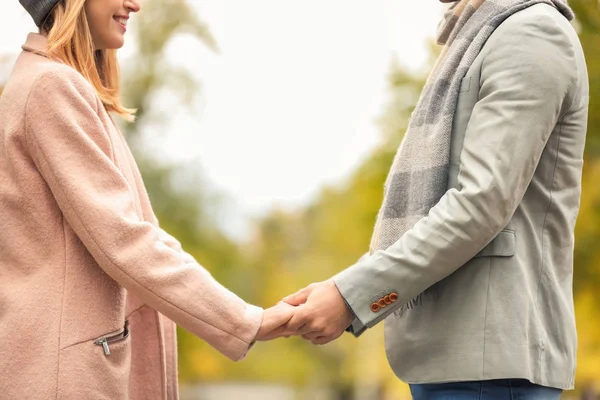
73,152
525,83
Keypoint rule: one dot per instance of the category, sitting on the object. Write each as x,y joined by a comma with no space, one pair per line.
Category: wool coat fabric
90,286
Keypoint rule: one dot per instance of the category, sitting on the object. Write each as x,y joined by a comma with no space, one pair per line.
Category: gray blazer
459,312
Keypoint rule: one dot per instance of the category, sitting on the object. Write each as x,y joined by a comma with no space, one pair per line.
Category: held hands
274,321
317,313
322,314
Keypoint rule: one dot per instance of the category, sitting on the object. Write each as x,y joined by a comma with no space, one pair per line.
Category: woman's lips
122,21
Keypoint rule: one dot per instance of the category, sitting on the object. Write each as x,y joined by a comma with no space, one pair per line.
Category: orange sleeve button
393,297
375,307
382,303
387,300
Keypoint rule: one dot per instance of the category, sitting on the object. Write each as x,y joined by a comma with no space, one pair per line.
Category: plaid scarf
419,174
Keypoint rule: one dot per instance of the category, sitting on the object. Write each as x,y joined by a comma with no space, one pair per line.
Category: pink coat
89,283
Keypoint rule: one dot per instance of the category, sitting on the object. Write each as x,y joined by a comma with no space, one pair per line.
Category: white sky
290,102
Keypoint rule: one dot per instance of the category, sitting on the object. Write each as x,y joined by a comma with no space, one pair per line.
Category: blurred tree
180,197
294,248
588,25
587,255
587,252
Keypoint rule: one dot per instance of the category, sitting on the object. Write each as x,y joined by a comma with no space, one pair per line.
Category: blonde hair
70,42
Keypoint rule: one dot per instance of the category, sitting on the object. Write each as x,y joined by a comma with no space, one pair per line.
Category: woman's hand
274,321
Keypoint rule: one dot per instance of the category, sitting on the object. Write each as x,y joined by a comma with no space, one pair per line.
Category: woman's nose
133,5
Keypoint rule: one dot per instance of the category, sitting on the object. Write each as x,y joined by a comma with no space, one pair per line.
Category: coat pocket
97,368
503,245
115,337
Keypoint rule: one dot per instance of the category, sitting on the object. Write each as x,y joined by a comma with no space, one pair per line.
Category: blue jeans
501,389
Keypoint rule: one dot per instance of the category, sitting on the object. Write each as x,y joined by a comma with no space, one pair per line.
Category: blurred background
265,132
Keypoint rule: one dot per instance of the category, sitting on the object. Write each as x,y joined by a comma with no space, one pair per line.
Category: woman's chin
114,43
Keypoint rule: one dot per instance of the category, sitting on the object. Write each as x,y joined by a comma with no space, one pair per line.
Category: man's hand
322,314
274,321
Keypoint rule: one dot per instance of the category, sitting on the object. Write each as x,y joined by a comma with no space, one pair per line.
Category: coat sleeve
525,83
73,152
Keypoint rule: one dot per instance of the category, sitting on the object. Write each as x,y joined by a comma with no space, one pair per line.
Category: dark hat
38,9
